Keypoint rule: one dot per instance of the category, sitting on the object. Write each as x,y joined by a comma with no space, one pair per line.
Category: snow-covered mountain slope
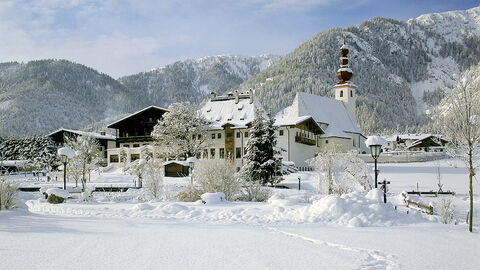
398,66
193,79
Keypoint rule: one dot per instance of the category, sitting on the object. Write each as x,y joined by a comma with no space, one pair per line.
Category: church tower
345,91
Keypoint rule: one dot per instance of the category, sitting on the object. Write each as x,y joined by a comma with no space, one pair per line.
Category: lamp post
375,143
65,153
191,162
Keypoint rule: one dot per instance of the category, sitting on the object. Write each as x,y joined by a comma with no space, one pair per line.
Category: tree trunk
470,224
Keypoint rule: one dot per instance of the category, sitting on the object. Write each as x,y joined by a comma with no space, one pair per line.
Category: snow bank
355,209
58,192
213,198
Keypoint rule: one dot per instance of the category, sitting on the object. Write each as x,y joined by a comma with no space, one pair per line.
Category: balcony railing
304,140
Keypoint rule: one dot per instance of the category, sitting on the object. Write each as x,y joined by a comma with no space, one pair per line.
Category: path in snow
375,259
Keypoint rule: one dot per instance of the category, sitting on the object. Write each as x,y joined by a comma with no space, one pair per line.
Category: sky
123,37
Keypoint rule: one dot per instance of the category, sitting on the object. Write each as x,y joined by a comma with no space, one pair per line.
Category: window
134,157
222,153
205,153
199,136
136,145
351,93
229,135
219,135
238,134
113,158
193,136
246,134
238,152
238,169
212,153
280,132
341,93
145,144
126,145
150,119
213,136
326,141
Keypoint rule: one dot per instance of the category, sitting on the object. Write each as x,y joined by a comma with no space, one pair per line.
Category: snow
375,140
58,192
294,229
66,151
85,133
213,198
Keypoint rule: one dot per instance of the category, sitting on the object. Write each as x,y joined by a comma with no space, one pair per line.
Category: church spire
344,73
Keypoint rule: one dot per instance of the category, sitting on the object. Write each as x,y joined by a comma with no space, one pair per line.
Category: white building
336,117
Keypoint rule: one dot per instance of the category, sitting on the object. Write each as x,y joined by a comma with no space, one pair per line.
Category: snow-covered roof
135,113
84,133
223,110
13,163
323,110
183,163
293,121
414,137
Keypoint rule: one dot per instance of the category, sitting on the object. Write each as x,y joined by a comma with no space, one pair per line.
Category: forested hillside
394,64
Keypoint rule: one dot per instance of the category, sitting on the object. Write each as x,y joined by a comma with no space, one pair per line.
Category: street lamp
375,143
191,162
65,153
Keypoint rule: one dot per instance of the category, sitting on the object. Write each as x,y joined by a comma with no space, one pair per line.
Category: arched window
341,93
351,93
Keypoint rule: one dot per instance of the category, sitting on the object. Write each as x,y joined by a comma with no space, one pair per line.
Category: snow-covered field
295,229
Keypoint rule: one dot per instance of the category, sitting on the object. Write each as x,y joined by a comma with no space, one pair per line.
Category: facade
133,133
416,142
336,117
231,116
106,141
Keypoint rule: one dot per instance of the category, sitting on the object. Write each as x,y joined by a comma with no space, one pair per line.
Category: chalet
133,134
416,142
106,141
336,117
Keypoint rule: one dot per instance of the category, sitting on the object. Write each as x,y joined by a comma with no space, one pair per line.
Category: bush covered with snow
217,176
8,193
58,192
54,199
253,191
213,198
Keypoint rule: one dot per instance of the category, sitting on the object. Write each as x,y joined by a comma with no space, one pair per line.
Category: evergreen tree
260,163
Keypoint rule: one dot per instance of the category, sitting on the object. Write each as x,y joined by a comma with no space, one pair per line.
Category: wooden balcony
304,140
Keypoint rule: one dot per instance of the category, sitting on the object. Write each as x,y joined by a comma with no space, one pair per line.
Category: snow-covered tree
261,162
340,172
460,122
39,151
217,176
183,131
87,153
152,182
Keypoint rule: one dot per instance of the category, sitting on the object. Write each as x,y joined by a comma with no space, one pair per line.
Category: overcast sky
122,37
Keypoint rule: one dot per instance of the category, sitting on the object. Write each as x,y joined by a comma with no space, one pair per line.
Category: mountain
41,96
192,80
399,67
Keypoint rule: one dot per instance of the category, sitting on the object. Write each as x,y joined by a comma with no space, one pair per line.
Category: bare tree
87,152
183,131
460,122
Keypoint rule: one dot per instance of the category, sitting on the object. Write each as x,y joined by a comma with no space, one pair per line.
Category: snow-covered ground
295,229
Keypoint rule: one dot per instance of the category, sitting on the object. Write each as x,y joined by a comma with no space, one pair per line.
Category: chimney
236,96
250,93
212,95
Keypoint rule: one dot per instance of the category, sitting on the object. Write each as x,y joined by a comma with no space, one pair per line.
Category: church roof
323,110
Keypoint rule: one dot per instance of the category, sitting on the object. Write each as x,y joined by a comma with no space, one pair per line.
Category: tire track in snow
376,259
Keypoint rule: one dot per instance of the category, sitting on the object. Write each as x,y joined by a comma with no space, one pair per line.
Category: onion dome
344,73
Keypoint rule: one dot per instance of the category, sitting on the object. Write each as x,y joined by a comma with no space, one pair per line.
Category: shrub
53,199
8,193
446,210
255,192
189,194
217,176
